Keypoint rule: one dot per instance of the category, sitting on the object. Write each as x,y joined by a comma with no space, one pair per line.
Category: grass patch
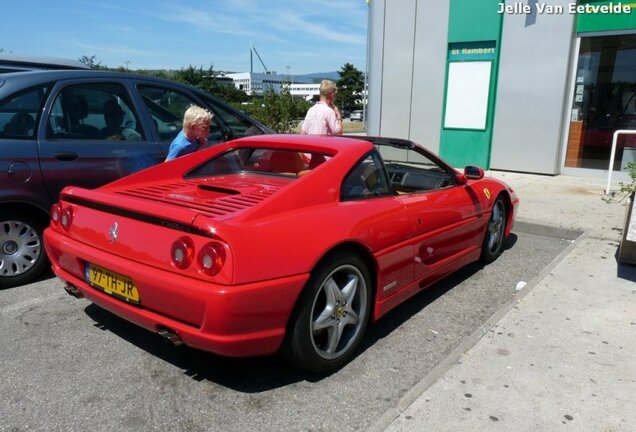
348,126
353,127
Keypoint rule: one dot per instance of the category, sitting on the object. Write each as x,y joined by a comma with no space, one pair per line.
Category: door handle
65,156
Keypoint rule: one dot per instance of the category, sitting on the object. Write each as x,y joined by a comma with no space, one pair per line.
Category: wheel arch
22,207
505,196
295,350
352,247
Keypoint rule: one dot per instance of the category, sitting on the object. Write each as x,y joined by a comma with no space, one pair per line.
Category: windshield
260,160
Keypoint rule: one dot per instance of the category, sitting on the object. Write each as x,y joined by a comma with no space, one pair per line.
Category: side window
166,107
366,179
411,171
239,126
94,112
18,113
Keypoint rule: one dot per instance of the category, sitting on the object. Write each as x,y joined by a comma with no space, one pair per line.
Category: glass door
604,101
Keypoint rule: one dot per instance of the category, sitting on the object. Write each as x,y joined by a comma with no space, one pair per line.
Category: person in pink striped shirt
324,117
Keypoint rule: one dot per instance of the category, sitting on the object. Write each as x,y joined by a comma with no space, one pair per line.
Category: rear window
260,160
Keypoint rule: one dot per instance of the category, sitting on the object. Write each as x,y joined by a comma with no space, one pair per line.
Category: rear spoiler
165,215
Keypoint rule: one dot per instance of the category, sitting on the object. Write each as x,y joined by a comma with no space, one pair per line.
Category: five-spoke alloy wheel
495,232
332,314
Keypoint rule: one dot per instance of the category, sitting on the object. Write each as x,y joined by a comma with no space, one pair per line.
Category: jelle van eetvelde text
519,8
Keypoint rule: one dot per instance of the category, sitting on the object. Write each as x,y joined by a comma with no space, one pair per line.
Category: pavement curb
529,227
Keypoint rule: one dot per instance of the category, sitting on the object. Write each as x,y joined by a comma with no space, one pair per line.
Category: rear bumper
234,320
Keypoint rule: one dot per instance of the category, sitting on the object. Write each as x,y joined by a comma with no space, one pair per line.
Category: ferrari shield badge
487,193
113,232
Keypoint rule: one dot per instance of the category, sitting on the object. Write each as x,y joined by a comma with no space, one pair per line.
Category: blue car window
18,113
166,107
94,112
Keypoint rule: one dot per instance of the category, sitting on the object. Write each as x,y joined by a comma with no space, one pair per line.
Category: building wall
375,73
531,94
428,82
397,67
409,42
406,92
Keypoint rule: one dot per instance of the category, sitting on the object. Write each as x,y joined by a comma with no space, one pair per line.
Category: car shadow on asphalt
249,375
258,374
404,312
47,274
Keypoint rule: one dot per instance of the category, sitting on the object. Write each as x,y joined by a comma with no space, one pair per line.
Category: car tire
22,256
493,243
331,315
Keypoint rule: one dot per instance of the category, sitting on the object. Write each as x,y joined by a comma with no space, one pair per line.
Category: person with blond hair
324,117
196,128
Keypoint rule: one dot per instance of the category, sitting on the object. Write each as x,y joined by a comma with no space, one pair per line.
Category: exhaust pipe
170,336
73,290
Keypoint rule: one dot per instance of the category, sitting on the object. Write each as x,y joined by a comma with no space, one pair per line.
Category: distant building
304,90
223,79
253,83
14,63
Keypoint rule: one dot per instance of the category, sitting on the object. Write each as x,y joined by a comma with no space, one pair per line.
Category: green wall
472,21
594,22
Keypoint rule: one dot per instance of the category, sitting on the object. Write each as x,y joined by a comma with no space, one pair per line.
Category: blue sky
306,36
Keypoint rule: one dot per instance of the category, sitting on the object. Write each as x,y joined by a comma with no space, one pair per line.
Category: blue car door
81,144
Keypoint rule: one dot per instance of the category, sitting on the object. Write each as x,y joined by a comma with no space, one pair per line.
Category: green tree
91,62
206,80
153,73
229,93
350,87
197,77
279,111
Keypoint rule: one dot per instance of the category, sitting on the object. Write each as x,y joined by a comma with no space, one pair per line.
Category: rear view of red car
267,244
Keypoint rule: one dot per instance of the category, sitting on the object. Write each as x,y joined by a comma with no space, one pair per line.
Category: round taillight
211,258
66,217
55,213
182,253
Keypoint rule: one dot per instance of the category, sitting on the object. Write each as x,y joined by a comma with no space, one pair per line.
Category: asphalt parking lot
69,365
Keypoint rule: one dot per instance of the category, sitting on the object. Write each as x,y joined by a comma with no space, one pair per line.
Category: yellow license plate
112,283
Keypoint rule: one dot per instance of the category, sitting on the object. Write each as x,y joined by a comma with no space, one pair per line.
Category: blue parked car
84,128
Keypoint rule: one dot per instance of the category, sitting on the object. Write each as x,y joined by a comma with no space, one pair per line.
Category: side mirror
473,172
460,179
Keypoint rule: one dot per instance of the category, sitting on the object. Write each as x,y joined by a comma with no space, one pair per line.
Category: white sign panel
467,95
631,227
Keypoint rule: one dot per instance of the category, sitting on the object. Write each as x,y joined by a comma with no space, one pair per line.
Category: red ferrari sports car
283,243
